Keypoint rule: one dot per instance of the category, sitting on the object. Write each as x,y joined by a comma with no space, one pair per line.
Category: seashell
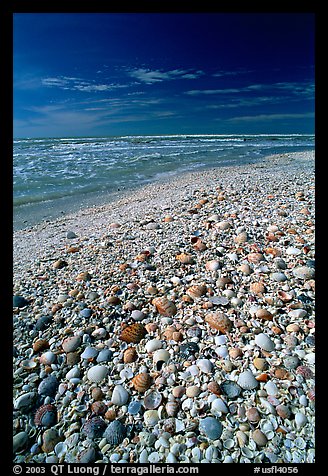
94,427
247,381
48,386
253,415
235,352
300,420
214,387
311,394
223,225
283,411
49,440
40,344
20,440
264,342
161,356
97,373
211,427
97,394
193,391
151,418
271,388
279,277
130,355
212,265
230,389
260,363
285,296
172,407
245,269
164,306
152,345
255,257
84,276
152,400
205,365
60,449
88,455
188,349
304,272
133,333
264,314
185,258
306,372
70,344
217,320
137,315
110,414
115,433
196,291
46,416
25,401
28,364
48,358
105,355
218,406
222,282
257,288
259,437
98,408
120,396
141,382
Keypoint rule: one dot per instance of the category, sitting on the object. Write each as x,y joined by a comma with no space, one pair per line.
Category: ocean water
56,170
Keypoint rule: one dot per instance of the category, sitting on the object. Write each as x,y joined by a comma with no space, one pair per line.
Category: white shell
89,353
97,373
205,365
229,443
73,373
48,358
264,342
271,388
300,419
152,345
161,355
120,395
247,381
218,406
137,315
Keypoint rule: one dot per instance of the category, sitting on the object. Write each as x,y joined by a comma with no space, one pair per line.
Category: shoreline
132,199
175,325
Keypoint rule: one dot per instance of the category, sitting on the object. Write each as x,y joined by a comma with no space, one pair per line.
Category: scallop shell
120,395
142,382
185,258
46,416
264,342
130,355
217,320
94,427
247,381
97,373
115,433
164,306
196,291
133,333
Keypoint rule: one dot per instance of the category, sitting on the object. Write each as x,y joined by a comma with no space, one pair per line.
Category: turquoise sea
52,171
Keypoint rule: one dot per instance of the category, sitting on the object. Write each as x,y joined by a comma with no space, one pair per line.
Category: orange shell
196,291
142,382
184,258
130,355
40,344
133,333
264,314
164,306
257,288
255,257
217,320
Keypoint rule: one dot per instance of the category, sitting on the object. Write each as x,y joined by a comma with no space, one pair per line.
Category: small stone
211,427
71,343
304,272
20,301
71,235
259,437
19,441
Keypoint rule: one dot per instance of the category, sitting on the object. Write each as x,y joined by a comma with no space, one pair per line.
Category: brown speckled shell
217,320
164,306
142,382
257,288
264,314
133,333
255,257
184,258
196,291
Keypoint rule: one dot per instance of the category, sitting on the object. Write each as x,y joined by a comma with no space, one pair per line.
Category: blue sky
105,74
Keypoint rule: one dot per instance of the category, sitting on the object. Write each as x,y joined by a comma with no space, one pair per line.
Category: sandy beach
209,279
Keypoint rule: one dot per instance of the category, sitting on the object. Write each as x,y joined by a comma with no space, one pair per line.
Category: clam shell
46,416
230,389
142,382
264,314
212,265
255,257
218,406
259,437
71,343
164,306
97,373
29,364
48,358
152,400
151,417
152,345
217,320
120,395
40,344
253,415
115,433
264,342
247,381
196,291
214,387
133,333
130,355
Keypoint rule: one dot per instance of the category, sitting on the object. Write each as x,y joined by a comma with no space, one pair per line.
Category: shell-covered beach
174,325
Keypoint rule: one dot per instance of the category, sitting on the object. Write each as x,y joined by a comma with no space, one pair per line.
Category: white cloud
79,84
272,117
149,76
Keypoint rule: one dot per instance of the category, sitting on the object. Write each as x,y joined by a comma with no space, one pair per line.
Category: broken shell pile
176,333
